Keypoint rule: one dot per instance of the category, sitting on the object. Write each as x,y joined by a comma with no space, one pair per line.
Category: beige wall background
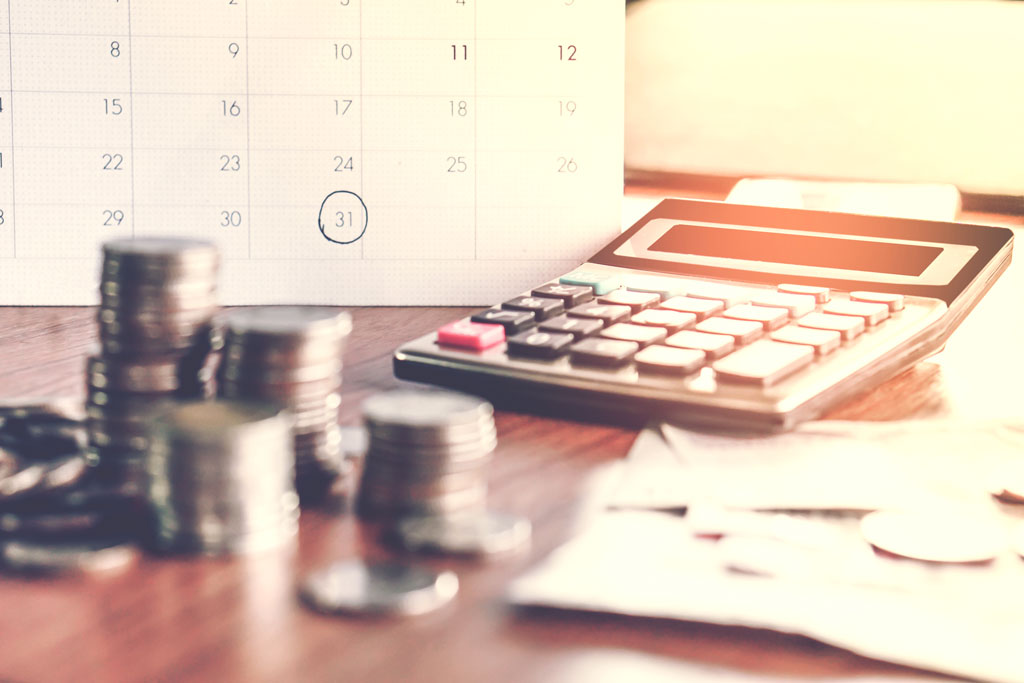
906,90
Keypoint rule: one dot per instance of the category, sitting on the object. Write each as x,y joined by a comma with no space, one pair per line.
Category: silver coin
25,480
416,414
934,536
59,406
353,587
302,321
50,523
490,533
80,557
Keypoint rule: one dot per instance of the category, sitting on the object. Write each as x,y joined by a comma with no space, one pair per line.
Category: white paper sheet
353,152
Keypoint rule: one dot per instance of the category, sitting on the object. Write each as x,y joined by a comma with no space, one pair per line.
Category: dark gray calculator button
604,352
571,295
539,344
541,308
512,321
577,327
606,313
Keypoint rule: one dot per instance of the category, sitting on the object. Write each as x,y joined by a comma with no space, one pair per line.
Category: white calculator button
820,294
796,304
743,331
727,294
870,312
665,287
643,335
893,301
669,359
701,308
846,325
673,321
714,345
823,341
763,362
637,301
771,318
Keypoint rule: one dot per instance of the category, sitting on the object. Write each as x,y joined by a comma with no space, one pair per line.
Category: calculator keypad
650,329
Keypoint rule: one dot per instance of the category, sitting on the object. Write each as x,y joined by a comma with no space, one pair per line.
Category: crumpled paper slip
963,621
823,465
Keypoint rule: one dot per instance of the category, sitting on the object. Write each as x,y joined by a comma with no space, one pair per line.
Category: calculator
721,315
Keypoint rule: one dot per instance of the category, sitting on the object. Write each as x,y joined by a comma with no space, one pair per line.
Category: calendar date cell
164,65
294,66
70,63
190,177
400,123
182,121
69,230
418,67
281,122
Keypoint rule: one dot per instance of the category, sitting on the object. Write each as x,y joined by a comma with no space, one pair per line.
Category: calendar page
389,152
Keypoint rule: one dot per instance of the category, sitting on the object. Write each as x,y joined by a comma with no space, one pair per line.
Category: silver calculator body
818,306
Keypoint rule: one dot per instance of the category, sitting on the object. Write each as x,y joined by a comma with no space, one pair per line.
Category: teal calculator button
601,282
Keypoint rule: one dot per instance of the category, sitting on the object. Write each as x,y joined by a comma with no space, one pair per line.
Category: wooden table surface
239,619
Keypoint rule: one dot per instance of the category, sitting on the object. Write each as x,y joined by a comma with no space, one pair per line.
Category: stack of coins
220,478
55,514
157,303
292,355
427,454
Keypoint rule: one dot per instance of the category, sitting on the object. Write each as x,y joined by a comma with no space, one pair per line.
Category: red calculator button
470,335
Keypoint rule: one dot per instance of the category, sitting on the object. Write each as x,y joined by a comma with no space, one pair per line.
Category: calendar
353,152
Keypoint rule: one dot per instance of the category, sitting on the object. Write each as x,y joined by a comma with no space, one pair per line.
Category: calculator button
702,308
714,345
770,318
796,304
673,321
541,308
539,344
601,283
470,335
821,295
637,301
664,287
727,294
743,331
606,352
846,325
512,321
571,295
823,341
893,301
764,362
670,359
641,334
606,313
871,313
577,327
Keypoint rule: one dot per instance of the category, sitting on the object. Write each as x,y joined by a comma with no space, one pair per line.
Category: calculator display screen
789,248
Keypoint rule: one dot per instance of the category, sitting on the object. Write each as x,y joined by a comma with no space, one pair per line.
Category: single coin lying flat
357,588
934,536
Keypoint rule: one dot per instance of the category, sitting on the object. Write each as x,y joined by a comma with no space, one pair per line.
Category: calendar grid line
14,194
242,93
131,119
362,60
476,128
248,143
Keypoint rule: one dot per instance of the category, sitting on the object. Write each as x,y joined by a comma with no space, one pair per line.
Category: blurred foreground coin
352,587
934,536
487,533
